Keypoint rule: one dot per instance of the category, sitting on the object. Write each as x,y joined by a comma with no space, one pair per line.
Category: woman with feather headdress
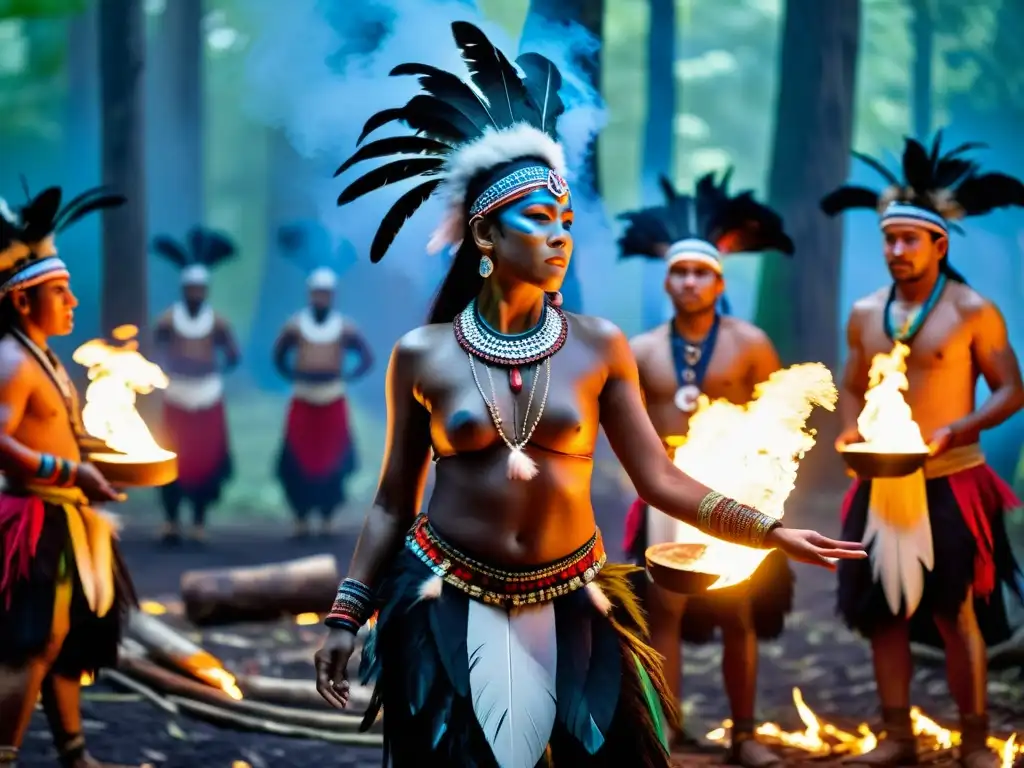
701,350
939,554
196,347
317,454
502,636
64,590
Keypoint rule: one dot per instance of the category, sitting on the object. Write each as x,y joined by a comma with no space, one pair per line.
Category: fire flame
307,619
117,374
886,423
821,738
210,670
751,453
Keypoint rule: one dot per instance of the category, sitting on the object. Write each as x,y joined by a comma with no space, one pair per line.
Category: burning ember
87,680
751,452
821,738
886,423
307,619
117,374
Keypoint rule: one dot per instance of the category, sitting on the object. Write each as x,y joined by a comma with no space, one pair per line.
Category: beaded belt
506,587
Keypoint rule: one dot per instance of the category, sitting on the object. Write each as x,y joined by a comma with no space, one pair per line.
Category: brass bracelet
731,521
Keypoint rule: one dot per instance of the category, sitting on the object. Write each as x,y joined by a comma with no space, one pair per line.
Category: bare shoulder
418,343
220,322
165,318
744,331
867,307
595,332
14,359
643,344
967,300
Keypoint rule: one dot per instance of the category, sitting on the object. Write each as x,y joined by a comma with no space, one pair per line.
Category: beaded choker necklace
511,351
482,342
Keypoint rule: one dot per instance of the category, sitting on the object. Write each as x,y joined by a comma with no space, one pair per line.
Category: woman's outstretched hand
811,547
331,663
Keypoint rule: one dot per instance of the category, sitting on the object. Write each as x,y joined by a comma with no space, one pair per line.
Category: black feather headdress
460,130
308,244
202,250
707,224
28,254
937,188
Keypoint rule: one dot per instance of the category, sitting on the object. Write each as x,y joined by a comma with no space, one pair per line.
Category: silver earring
486,266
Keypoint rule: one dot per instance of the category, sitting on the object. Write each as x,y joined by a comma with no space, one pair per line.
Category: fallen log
176,687
298,693
261,593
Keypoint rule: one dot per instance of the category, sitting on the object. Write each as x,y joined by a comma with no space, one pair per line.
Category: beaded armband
54,470
729,520
352,606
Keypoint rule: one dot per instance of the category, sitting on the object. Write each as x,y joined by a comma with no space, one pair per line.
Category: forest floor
829,665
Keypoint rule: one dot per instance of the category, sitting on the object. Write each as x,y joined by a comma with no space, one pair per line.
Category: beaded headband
905,214
518,184
694,250
35,273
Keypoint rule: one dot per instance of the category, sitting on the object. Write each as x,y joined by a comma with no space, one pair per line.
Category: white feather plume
513,656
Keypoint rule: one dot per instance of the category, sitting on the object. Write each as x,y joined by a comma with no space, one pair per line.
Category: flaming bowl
869,464
122,469
677,567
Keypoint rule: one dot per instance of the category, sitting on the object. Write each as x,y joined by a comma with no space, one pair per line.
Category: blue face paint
535,242
537,213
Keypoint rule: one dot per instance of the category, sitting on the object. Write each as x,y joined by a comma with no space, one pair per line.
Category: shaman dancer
318,453
189,337
64,591
507,570
937,538
702,351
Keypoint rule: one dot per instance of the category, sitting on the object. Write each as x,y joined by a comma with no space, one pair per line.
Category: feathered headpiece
461,129
703,226
937,189
28,253
309,244
202,250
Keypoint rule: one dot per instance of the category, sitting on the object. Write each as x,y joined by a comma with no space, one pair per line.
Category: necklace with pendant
691,364
481,342
910,327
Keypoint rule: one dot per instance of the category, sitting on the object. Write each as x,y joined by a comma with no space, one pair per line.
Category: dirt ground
828,664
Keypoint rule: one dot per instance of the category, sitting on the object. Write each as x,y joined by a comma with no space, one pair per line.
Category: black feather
72,213
847,197
438,119
888,175
39,215
981,194
449,617
543,82
667,189
208,247
380,119
396,145
450,89
292,238
646,233
389,173
396,217
495,76
171,250
917,170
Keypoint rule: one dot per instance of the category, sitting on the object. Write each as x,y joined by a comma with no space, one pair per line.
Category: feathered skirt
966,548
480,667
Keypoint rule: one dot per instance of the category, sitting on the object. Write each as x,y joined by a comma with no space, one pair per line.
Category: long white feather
512,661
900,534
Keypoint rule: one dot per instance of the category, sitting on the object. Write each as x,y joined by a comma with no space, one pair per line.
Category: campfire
820,738
751,452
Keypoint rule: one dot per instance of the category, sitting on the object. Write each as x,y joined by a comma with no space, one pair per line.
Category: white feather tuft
448,232
599,598
430,589
495,148
521,466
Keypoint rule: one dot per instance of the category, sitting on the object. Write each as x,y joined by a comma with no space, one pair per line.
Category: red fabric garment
200,438
634,523
21,523
980,494
318,436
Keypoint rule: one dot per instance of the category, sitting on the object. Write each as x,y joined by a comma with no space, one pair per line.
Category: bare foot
750,753
889,752
980,758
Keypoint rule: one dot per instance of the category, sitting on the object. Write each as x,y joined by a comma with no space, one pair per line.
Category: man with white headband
196,347
939,553
64,591
318,453
704,351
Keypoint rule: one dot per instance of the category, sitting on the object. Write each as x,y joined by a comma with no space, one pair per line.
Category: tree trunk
589,14
798,302
924,44
799,297
659,132
122,65
175,132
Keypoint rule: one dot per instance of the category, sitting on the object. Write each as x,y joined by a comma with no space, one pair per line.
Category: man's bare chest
943,342
726,374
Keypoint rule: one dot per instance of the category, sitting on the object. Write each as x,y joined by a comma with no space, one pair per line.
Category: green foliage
41,9
32,83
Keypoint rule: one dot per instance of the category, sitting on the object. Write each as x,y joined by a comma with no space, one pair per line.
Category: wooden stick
261,593
169,647
298,693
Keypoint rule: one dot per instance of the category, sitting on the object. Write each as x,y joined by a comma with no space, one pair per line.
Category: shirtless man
195,347
318,453
59,619
701,350
945,576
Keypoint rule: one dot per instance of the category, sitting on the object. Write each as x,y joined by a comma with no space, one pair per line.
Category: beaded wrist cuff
54,470
352,606
729,520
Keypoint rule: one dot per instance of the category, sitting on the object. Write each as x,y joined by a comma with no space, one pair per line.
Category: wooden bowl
127,470
869,464
676,567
